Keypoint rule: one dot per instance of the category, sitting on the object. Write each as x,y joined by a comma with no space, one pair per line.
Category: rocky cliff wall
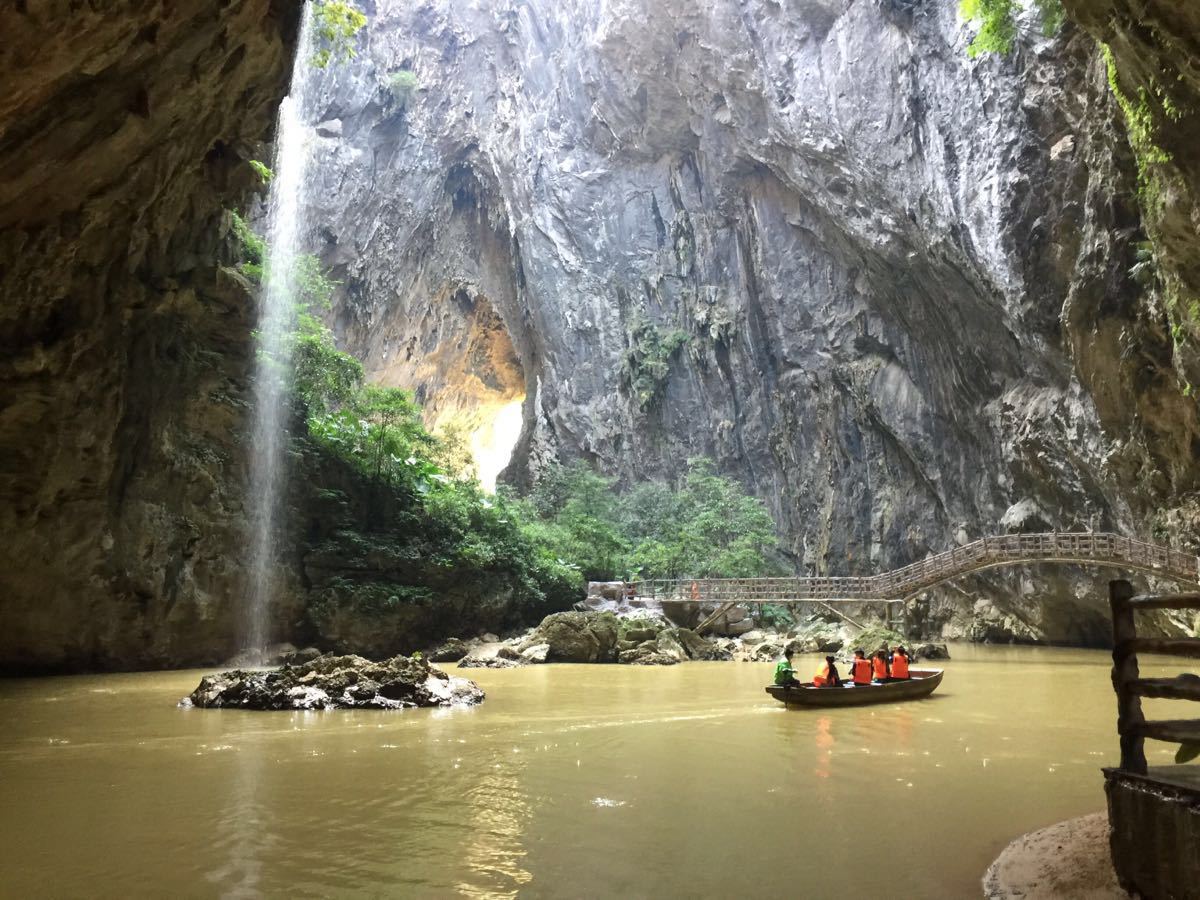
123,136
884,284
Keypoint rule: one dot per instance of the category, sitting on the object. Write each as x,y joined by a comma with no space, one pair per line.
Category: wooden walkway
1081,548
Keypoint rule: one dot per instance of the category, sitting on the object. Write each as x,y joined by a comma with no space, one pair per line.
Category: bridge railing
1070,547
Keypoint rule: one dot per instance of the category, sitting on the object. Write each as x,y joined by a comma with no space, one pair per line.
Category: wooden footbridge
1080,548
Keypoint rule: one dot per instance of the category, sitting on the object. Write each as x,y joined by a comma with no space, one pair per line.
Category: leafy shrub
336,24
646,363
402,85
262,170
998,26
253,247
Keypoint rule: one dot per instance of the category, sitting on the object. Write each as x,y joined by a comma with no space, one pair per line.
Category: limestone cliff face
123,135
884,284
1154,48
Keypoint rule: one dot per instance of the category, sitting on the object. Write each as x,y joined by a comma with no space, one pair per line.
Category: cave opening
466,373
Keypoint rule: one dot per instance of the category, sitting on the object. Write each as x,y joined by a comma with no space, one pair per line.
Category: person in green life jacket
785,675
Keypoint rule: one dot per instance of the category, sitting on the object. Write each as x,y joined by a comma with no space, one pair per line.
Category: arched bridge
1082,548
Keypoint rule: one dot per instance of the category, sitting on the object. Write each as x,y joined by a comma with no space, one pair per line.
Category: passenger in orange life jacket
827,675
860,670
880,666
900,665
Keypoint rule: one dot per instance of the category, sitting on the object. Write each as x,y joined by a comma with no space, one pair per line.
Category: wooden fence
1131,724
1153,812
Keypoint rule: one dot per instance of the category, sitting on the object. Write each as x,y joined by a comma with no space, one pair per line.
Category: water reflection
243,838
824,745
499,811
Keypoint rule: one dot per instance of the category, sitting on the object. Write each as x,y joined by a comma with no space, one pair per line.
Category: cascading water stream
277,313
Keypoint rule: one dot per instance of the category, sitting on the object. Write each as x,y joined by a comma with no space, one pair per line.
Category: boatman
785,675
899,665
860,670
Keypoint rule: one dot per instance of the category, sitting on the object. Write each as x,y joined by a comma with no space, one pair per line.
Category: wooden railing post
1124,673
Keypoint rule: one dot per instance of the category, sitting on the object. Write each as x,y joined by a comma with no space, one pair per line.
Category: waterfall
276,317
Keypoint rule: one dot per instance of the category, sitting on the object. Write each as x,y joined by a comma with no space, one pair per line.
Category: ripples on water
569,781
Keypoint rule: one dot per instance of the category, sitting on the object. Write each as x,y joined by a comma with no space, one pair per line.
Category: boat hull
921,683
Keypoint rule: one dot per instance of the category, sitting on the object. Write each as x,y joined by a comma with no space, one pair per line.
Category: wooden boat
921,683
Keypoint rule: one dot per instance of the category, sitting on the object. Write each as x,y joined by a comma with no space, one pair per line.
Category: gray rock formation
338,682
885,285
882,283
602,637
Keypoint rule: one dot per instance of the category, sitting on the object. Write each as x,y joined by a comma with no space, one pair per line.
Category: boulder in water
536,653
581,637
487,661
451,651
663,650
931,651
698,647
337,682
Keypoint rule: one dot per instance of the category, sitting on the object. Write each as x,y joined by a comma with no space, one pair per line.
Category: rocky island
337,682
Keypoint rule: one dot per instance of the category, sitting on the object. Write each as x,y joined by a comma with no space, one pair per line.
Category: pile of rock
648,639
589,637
337,682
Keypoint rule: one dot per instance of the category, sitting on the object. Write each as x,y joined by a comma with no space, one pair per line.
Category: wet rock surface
337,682
126,131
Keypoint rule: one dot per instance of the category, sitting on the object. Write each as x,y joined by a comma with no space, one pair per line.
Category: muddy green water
569,781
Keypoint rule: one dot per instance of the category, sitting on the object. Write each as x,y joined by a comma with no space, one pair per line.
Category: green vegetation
704,526
402,85
253,247
262,170
336,23
647,361
1143,133
411,536
1144,115
388,493
997,21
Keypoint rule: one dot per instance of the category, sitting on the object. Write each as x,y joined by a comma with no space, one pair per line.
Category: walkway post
1124,673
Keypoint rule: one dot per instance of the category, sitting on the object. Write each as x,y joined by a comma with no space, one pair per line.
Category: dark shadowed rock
487,661
451,651
337,682
931,651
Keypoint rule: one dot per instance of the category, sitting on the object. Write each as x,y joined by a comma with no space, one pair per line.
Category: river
569,781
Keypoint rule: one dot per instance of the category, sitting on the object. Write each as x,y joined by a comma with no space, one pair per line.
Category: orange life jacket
881,667
862,671
899,666
822,677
